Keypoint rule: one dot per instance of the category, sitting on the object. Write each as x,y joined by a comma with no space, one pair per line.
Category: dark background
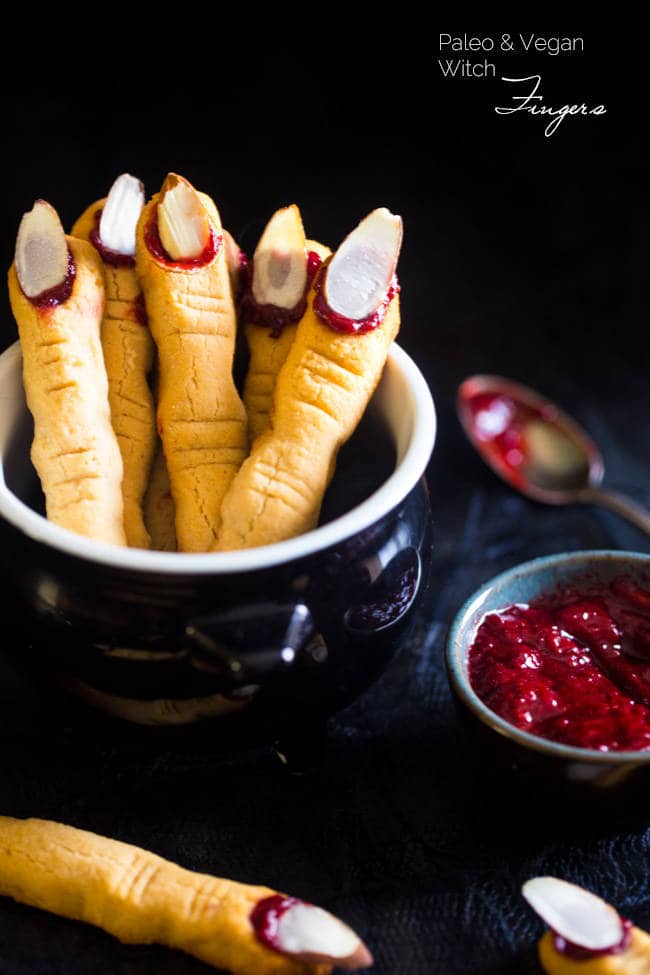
523,255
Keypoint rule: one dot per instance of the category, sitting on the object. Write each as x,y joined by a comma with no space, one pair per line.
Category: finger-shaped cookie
283,268
322,390
587,936
109,225
142,899
182,268
159,511
57,296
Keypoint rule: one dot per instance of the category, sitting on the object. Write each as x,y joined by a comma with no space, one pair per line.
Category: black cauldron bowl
269,640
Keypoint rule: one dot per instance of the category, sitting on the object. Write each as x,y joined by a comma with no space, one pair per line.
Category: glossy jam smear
272,316
578,953
351,326
573,666
265,918
499,423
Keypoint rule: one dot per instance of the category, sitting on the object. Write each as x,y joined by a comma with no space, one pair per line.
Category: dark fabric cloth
396,831
523,256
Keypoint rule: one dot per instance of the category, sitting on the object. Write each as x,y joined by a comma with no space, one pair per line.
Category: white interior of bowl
402,398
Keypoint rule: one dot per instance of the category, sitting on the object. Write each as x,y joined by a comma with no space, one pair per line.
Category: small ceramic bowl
523,751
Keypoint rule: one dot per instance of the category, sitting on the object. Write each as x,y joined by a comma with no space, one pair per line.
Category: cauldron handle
251,642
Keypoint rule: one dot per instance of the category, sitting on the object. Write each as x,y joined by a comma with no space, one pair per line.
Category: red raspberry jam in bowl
572,666
555,655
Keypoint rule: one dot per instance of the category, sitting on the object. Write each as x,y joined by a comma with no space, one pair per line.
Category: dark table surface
524,256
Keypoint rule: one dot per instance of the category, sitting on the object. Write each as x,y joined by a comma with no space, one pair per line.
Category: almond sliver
576,914
41,250
280,260
183,223
313,935
120,215
359,275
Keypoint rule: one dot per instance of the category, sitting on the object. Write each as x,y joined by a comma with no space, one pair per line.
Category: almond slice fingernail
41,250
313,935
280,260
308,933
575,914
120,215
360,273
183,223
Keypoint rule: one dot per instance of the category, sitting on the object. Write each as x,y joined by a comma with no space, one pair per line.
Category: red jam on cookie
157,251
265,918
60,292
355,288
578,953
341,323
583,928
273,316
307,933
108,256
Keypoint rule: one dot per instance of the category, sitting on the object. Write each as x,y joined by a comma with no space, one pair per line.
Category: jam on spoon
536,448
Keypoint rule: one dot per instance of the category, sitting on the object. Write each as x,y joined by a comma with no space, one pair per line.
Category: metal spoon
536,448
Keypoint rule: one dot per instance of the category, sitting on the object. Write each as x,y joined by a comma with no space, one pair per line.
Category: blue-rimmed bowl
522,751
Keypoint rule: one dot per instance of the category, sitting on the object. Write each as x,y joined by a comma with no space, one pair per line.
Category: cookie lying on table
142,899
322,390
56,289
587,936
